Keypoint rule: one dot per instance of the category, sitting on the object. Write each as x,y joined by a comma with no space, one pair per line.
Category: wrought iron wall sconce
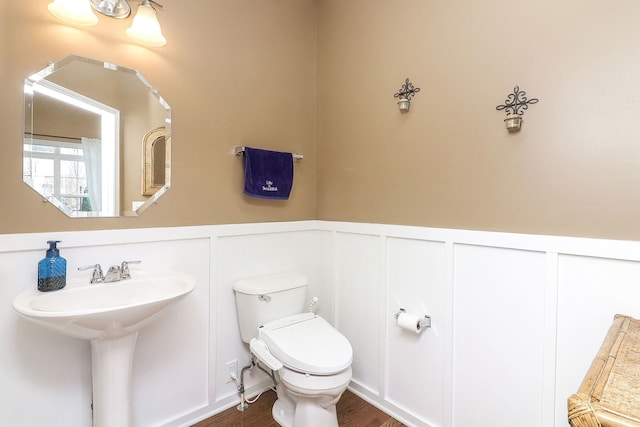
406,92
514,106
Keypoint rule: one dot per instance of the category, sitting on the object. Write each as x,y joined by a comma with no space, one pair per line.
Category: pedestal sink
110,316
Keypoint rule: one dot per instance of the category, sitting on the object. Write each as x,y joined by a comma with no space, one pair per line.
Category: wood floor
352,411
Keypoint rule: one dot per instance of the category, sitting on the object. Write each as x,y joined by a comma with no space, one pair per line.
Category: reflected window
57,169
100,165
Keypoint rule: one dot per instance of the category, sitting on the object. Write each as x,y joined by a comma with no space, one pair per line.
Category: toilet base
308,400
306,414
297,407
280,414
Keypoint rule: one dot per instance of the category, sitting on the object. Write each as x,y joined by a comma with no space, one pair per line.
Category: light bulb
76,12
145,27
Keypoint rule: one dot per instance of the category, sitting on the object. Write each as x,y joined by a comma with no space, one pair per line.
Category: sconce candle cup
513,122
404,104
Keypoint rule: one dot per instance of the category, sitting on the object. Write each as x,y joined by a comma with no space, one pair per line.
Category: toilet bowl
316,370
308,400
311,360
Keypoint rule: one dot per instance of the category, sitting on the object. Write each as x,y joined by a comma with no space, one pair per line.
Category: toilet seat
307,343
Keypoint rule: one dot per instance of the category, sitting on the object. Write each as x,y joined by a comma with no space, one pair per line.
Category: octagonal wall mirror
97,138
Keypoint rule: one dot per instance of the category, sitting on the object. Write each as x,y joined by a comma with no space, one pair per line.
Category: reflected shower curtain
92,150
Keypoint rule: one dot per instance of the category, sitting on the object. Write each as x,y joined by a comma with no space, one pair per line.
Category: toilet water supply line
244,403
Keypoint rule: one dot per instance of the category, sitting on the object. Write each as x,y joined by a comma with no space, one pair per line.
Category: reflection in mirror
156,164
83,123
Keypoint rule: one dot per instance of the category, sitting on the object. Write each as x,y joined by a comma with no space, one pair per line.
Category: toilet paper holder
422,323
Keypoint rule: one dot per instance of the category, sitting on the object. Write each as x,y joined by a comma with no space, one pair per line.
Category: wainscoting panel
498,337
358,299
591,292
250,256
516,319
415,368
171,352
40,373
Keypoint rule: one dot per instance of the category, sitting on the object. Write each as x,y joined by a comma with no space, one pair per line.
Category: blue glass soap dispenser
52,270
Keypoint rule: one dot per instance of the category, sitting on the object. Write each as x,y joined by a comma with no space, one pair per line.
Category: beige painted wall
239,72
244,72
574,169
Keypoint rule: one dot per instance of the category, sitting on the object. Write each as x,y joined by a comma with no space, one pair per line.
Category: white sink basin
104,310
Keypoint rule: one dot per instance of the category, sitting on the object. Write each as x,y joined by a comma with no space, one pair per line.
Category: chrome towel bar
239,149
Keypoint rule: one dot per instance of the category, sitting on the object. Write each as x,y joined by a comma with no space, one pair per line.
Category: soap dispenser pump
52,270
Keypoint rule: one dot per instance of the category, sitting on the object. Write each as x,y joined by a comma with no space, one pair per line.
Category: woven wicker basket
610,392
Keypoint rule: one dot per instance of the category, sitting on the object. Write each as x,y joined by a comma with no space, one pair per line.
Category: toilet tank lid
271,283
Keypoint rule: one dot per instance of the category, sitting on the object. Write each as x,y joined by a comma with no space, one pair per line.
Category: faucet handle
124,269
97,276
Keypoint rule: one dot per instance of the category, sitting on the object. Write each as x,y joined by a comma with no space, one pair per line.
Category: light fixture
407,90
514,105
76,12
145,27
114,8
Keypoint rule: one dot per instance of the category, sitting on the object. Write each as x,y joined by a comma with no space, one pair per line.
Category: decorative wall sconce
514,105
144,29
406,92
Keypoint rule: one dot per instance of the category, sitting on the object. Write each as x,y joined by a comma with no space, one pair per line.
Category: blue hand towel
267,174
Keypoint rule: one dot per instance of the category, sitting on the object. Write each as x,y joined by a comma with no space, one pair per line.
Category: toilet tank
262,299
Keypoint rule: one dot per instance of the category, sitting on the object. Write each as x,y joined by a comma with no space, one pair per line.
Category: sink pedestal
111,373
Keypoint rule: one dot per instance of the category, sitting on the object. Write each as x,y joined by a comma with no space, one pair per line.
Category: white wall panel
415,280
255,255
358,303
172,352
170,355
498,337
590,292
517,319
40,372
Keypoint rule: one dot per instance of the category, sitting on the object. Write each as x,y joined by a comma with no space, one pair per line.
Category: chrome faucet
97,276
114,274
124,269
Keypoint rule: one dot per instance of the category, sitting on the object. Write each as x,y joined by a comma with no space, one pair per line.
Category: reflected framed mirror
84,123
156,165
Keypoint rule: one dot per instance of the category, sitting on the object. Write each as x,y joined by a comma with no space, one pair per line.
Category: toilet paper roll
409,322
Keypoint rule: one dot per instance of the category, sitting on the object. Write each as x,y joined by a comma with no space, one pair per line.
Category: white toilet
311,359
